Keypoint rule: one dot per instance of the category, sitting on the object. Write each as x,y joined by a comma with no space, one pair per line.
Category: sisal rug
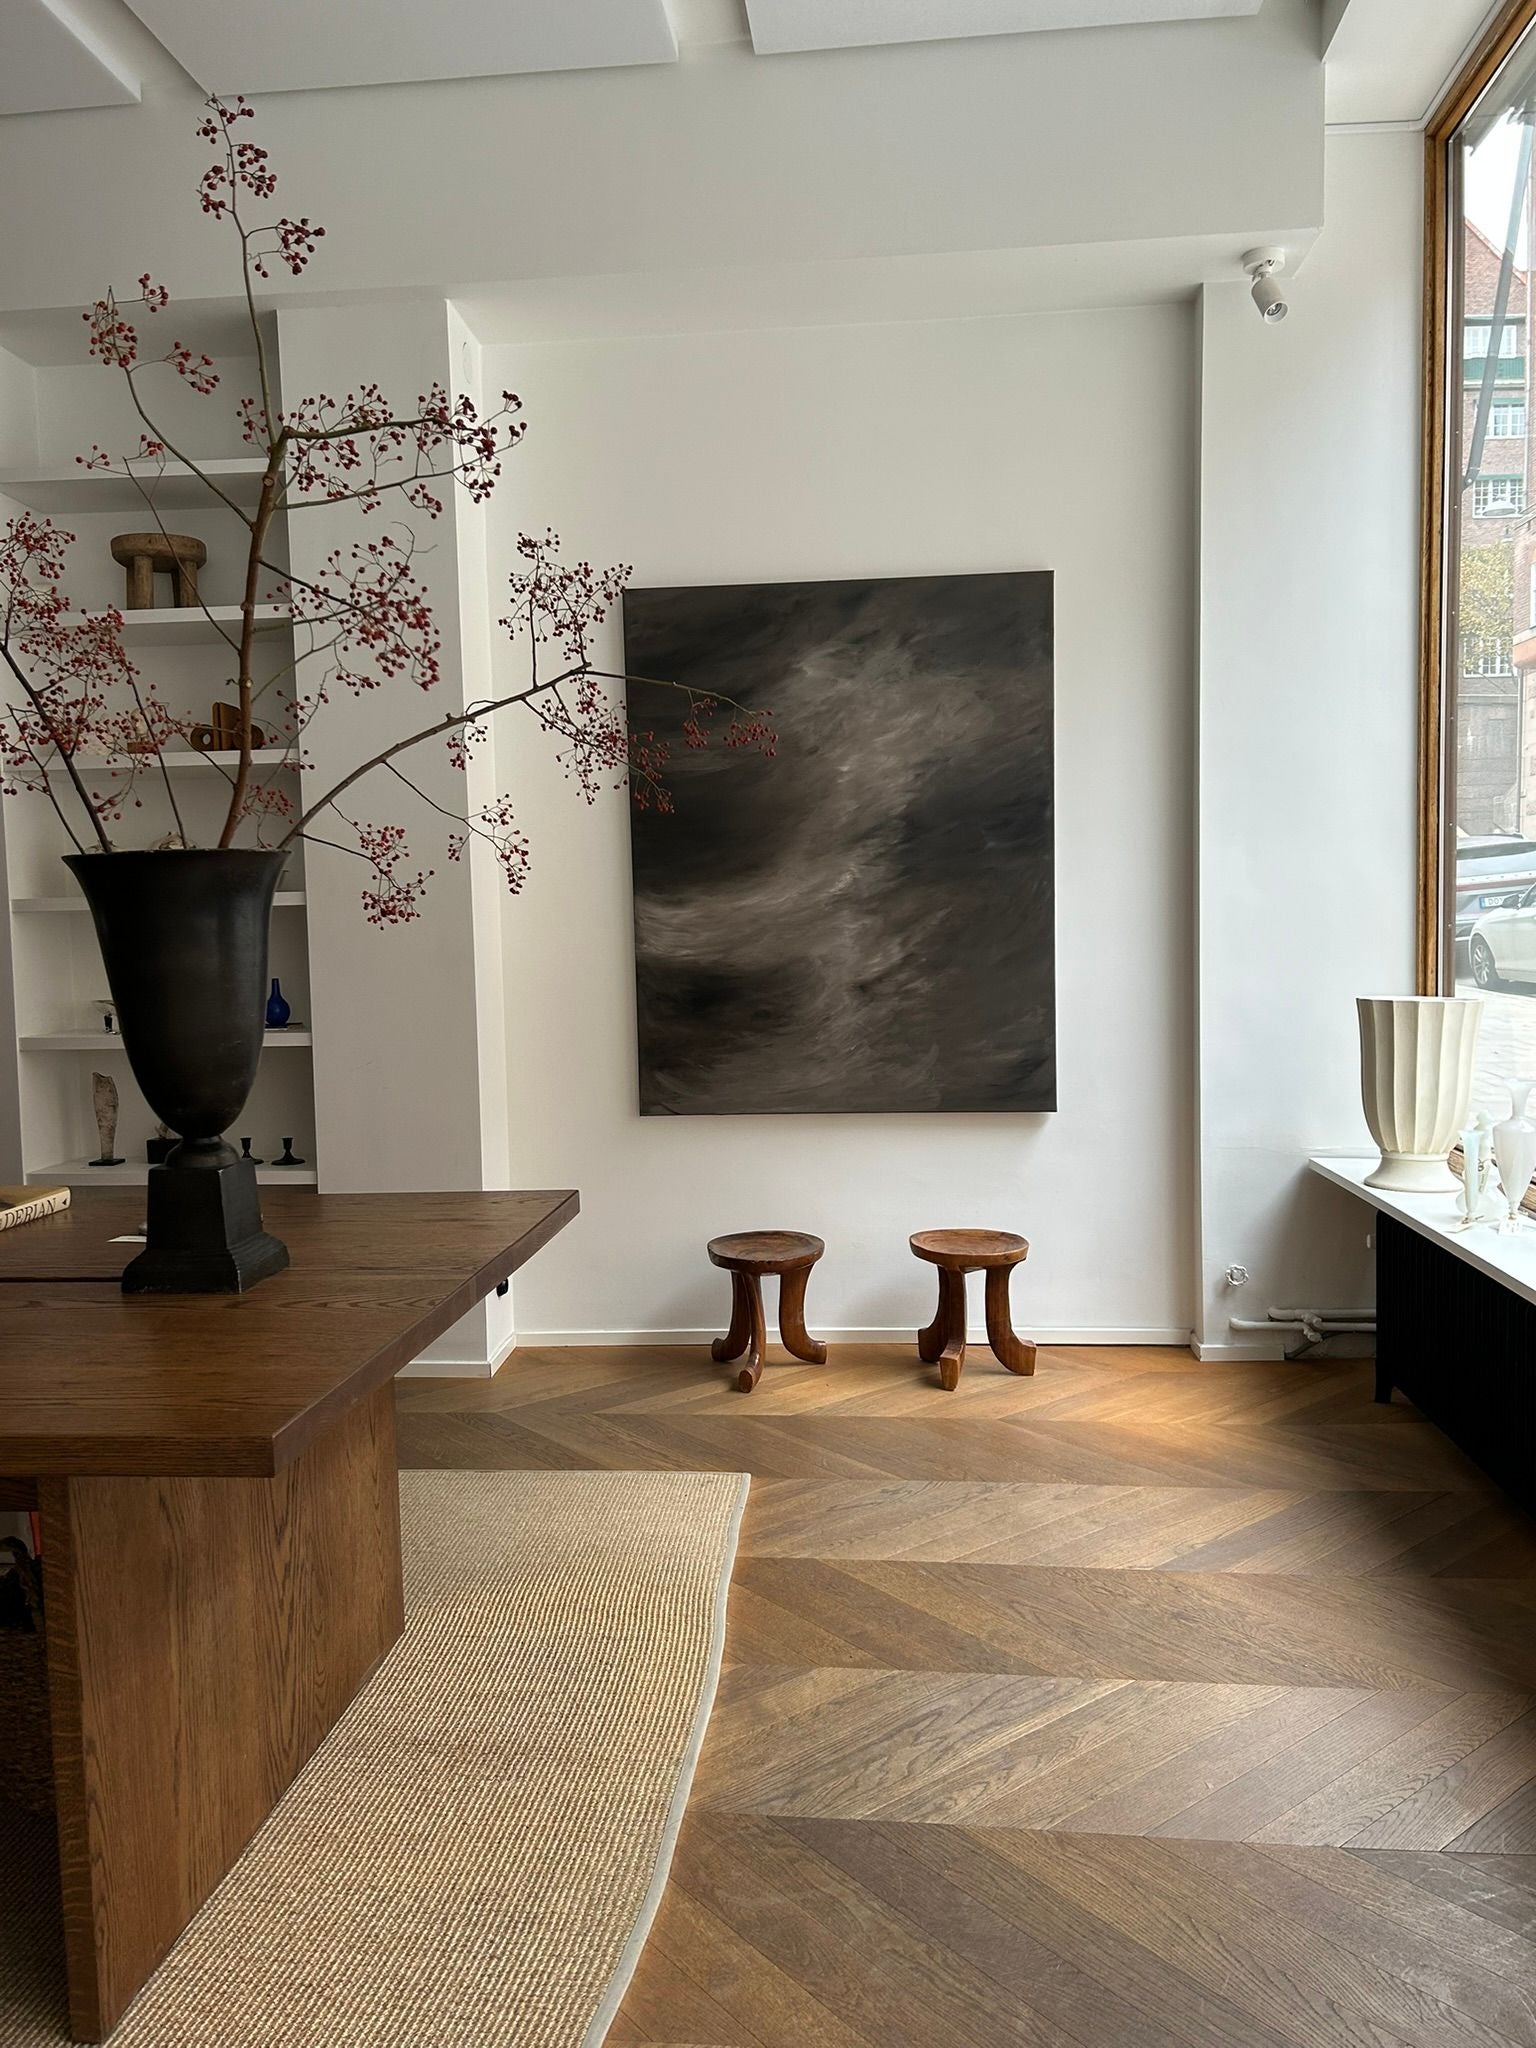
476,1852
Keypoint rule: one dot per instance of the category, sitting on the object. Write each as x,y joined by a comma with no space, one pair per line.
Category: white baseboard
459,1368
1253,1350
901,1334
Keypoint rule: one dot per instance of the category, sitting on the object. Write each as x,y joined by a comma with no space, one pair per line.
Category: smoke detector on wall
1264,267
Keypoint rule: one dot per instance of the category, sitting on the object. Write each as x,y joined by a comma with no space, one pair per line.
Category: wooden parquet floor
1144,1704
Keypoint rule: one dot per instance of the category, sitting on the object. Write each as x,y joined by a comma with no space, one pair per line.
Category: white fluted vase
1416,1056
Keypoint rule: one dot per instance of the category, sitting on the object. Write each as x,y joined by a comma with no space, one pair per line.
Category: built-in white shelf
43,906
1511,1260
109,1041
171,488
195,625
176,759
79,1173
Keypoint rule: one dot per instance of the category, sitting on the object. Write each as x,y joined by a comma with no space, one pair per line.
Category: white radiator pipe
1327,1315
1322,1326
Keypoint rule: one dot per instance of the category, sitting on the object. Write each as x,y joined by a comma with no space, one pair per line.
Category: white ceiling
1390,60
295,45
779,25
1387,59
51,60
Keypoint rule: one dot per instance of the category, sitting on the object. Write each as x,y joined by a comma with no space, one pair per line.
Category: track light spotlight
1264,267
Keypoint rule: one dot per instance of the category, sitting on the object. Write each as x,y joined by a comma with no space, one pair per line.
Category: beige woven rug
476,1852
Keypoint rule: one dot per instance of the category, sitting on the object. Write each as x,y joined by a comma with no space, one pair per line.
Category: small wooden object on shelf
147,555
956,1253
747,1256
222,732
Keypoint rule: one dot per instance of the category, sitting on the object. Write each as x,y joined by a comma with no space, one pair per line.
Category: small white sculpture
1477,1203
1514,1147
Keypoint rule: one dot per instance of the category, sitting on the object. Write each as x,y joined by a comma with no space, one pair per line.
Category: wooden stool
956,1253
146,555
747,1257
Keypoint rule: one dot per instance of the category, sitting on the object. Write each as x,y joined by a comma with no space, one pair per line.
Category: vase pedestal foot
204,1234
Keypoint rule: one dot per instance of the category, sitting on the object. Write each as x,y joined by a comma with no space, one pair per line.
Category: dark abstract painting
866,921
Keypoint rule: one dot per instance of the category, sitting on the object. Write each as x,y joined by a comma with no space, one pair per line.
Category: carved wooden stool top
968,1251
765,1251
165,550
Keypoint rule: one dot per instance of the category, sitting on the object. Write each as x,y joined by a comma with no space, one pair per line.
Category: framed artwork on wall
865,923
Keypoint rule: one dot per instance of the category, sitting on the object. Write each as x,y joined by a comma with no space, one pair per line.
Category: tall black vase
184,939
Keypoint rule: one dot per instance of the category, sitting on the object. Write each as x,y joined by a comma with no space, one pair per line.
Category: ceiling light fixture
1264,266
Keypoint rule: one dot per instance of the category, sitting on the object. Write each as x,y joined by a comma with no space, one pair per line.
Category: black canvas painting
866,921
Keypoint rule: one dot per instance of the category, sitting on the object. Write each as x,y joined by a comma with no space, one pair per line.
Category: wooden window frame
1438,638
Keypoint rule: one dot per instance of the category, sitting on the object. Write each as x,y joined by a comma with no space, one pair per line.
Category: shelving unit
179,760
171,487
196,625
110,1042
48,999
44,906
79,1173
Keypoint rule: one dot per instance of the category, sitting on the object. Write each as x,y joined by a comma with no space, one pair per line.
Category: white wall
1307,731
405,1095
1065,442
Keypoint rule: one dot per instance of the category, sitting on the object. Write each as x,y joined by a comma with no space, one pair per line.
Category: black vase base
204,1233
231,1270
106,1162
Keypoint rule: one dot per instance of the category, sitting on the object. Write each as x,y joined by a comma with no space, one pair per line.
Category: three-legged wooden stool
747,1257
956,1253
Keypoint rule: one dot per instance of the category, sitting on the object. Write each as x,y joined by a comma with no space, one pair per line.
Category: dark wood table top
96,1381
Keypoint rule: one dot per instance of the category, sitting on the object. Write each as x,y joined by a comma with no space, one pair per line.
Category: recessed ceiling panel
779,25
49,63
297,45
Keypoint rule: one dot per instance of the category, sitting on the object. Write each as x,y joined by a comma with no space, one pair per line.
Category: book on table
25,1205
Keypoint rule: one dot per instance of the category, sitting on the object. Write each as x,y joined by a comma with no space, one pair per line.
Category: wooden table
216,1481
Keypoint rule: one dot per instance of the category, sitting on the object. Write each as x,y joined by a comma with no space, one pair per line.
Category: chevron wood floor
1144,1704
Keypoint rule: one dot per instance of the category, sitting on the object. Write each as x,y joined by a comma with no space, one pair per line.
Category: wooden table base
203,1637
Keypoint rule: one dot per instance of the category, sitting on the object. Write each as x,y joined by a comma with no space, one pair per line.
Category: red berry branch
362,621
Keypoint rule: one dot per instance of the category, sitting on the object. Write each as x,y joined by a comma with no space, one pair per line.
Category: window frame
1444,341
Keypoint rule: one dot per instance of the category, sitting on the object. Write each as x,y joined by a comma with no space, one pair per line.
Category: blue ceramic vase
278,1011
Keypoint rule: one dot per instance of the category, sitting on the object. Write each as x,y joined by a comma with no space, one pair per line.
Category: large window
1480,845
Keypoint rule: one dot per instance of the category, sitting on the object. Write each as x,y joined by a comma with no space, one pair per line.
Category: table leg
757,1342
943,1342
792,1331
203,1637
1017,1353
734,1342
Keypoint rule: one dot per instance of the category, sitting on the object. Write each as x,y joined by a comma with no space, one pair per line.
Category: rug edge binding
650,1905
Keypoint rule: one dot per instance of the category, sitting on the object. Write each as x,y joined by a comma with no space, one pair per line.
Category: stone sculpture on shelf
104,1101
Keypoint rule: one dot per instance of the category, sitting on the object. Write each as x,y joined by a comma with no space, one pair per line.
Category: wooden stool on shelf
956,1253
147,555
747,1257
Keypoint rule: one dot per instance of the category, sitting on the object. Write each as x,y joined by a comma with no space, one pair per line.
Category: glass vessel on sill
1514,1147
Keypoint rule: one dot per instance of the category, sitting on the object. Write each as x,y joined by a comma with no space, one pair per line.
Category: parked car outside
1501,948
1487,871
